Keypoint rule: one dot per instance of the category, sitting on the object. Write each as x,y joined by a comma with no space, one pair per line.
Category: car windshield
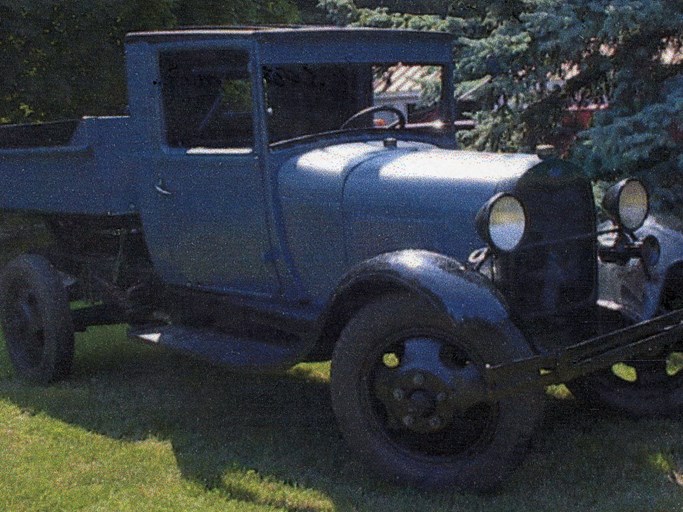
308,99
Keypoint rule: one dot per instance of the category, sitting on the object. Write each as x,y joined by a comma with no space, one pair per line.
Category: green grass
138,428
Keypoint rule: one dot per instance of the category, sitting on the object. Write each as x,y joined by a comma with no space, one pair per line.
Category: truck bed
68,167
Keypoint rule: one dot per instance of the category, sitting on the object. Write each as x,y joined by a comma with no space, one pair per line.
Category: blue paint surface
281,222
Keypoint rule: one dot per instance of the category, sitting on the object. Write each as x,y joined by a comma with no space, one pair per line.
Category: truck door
205,215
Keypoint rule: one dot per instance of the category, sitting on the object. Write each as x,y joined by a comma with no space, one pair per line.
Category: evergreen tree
541,57
65,59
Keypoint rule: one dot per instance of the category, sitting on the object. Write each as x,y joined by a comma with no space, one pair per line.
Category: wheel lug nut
418,379
408,420
435,422
398,394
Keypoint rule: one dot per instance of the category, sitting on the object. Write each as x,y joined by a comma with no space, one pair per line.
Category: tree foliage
540,57
545,56
65,59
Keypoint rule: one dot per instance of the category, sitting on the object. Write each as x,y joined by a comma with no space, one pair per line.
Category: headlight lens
628,203
633,205
502,222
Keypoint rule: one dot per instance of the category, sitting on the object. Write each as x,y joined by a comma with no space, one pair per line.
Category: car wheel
392,391
647,387
36,320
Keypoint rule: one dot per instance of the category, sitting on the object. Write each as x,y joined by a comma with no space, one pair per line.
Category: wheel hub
419,401
422,402
426,390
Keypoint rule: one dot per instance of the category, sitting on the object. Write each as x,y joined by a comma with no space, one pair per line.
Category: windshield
306,99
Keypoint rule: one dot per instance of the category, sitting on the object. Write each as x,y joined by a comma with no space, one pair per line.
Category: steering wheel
399,123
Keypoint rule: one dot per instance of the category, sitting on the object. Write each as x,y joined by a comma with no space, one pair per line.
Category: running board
236,353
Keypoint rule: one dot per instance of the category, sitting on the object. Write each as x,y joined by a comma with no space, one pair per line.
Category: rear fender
469,299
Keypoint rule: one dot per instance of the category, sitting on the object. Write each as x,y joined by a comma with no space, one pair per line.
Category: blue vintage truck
277,195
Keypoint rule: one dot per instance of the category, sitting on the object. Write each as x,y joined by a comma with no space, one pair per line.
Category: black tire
36,320
475,449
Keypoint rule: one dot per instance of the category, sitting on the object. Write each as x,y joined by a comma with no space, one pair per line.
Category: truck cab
278,195
222,111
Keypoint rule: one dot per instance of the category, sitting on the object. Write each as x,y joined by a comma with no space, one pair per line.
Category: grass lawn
139,428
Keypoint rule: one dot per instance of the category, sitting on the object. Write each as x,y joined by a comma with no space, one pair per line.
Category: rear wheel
36,320
402,382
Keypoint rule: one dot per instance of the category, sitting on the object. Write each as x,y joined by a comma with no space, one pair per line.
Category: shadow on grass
221,425
256,437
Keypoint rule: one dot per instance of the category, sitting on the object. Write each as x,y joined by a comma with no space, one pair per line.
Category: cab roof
319,44
288,33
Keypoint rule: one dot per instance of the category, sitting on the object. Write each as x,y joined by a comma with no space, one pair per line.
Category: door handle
159,187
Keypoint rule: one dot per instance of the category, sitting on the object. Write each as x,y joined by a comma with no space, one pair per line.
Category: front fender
641,294
473,304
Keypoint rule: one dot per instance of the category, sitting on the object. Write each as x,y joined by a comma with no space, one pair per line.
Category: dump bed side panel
92,175
57,133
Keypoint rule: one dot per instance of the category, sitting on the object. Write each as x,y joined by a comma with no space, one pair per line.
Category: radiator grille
555,268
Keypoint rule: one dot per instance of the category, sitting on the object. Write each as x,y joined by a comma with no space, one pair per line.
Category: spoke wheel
402,382
36,320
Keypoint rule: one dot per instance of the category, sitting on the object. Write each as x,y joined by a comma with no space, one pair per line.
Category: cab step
236,353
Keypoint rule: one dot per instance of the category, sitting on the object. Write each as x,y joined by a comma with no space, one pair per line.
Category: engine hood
381,199
401,176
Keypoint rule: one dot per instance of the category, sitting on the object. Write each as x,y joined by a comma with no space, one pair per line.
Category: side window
207,99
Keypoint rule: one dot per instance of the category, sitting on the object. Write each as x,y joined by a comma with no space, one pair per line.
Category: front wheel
649,386
36,320
393,392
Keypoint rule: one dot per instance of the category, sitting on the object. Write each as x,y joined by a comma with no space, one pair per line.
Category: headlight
627,203
501,222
